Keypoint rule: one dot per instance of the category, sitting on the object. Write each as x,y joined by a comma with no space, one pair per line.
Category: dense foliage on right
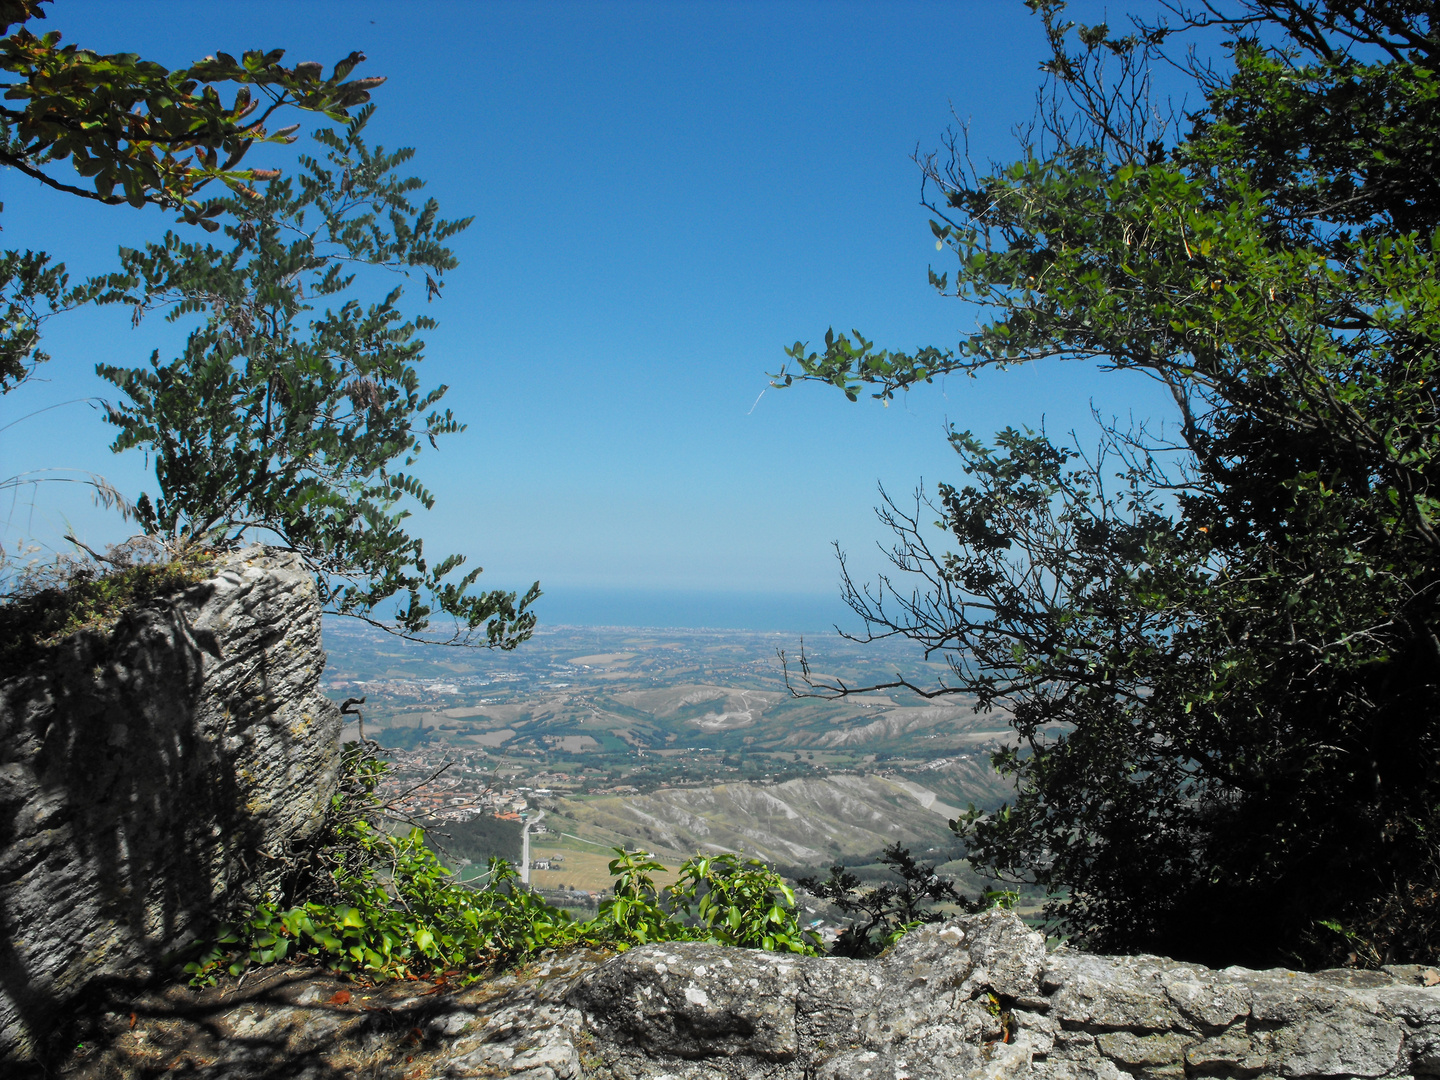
1217,638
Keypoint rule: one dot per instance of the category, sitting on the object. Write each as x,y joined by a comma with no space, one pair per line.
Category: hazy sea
798,612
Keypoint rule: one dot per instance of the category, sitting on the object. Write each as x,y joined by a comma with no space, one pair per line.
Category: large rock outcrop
153,776
978,997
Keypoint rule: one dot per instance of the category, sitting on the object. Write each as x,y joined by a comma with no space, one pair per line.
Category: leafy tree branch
139,134
286,420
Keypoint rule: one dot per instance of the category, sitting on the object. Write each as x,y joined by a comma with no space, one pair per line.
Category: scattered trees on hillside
1218,639
882,914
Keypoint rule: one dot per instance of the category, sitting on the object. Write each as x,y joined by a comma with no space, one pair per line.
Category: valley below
673,741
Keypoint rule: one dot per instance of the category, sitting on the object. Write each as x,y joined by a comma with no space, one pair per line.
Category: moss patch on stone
48,608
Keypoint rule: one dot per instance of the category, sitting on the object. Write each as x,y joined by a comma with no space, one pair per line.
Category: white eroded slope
799,821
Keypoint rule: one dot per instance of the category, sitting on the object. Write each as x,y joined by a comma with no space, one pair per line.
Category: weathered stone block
151,777
941,1006
978,997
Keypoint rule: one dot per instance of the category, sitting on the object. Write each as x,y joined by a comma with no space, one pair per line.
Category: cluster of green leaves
887,912
382,906
740,902
52,601
140,134
157,135
723,899
1218,644
399,914
303,424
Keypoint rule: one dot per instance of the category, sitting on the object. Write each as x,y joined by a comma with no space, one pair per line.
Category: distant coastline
694,609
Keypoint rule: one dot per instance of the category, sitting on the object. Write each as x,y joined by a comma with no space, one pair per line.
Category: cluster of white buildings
453,804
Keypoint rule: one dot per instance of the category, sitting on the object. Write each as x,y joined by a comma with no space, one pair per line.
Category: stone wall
151,776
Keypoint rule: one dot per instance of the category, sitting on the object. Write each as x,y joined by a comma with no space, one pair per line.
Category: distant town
667,740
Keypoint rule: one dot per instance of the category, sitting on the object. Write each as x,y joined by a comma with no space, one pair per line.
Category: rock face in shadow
977,998
152,777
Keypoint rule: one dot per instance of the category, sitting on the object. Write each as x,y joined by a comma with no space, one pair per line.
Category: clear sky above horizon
664,195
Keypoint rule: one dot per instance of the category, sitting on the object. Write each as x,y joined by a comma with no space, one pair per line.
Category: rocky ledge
978,996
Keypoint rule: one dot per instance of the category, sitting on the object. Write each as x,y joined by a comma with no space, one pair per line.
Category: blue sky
664,195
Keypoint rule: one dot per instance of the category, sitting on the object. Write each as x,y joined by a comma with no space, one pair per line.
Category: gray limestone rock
153,775
977,997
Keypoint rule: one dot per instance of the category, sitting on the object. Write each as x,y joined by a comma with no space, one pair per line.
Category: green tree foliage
1218,642
724,899
135,133
282,419
379,905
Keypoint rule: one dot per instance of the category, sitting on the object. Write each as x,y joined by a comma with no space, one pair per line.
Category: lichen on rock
977,997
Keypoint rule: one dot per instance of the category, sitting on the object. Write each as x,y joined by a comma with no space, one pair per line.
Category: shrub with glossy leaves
381,906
